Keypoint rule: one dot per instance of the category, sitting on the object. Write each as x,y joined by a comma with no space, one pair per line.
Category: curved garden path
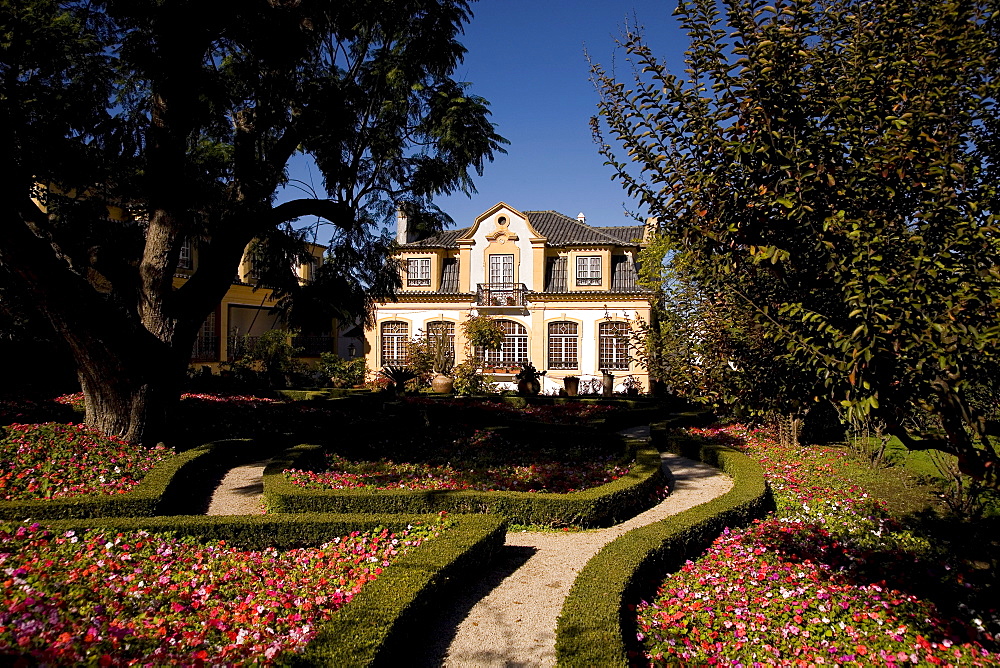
508,616
241,491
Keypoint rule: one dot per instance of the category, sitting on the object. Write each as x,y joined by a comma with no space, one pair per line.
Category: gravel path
240,492
508,617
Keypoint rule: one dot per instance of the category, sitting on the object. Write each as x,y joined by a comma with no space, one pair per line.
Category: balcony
313,346
500,295
206,349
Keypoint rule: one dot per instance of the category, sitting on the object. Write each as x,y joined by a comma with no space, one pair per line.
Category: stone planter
572,385
442,384
609,384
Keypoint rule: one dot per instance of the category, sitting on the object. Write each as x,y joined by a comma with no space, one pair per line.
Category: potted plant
529,380
442,356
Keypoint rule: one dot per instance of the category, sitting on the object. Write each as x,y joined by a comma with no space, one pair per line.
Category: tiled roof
626,234
558,228
444,239
561,230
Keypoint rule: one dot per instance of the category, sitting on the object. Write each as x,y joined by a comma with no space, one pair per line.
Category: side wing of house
243,314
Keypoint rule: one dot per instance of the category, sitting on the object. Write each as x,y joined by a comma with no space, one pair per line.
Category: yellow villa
563,291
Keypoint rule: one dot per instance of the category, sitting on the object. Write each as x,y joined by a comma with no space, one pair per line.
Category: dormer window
588,270
418,272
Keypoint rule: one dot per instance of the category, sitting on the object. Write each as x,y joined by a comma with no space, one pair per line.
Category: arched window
563,345
514,349
444,330
395,337
612,346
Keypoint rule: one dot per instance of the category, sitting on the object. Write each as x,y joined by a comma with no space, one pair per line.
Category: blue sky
527,59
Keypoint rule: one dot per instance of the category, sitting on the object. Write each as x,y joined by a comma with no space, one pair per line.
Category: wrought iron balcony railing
206,349
500,294
313,346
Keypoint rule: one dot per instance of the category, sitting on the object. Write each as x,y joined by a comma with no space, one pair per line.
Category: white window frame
395,342
418,272
514,349
186,258
588,270
501,269
564,345
612,346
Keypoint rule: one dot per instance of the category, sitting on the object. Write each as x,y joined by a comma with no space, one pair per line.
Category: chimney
402,225
651,228
582,218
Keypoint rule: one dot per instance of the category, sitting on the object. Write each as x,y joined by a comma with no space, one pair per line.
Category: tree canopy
130,127
832,166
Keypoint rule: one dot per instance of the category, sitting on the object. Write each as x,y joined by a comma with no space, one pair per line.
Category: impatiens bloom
560,477
144,599
49,460
831,580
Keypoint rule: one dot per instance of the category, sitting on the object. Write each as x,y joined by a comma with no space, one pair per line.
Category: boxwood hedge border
604,505
593,627
166,490
376,623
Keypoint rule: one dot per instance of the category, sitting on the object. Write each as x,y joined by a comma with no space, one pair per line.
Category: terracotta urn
442,384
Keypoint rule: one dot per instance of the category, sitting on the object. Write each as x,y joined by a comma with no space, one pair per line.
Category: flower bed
76,400
555,477
831,579
51,460
104,598
488,412
601,505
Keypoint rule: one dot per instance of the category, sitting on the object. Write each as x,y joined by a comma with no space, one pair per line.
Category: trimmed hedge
170,488
323,393
604,505
376,621
594,622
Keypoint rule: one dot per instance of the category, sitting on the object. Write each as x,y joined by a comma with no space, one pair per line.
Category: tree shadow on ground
430,639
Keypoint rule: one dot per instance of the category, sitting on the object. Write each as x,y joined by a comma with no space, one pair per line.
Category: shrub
341,372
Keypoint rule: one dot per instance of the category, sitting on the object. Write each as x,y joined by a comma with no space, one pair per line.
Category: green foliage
268,359
590,630
841,199
483,331
605,505
377,622
431,352
343,372
399,376
122,142
470,380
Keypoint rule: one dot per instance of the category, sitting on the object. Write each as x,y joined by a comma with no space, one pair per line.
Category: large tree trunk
131,393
